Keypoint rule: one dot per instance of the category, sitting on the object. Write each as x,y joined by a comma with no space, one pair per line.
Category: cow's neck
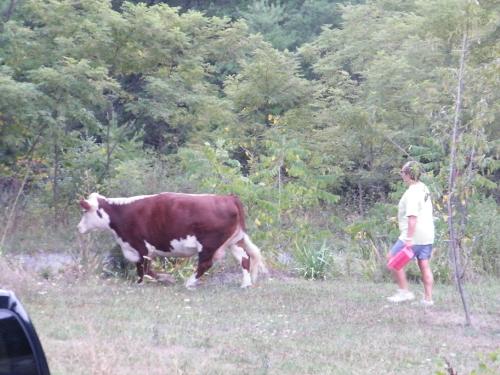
117,216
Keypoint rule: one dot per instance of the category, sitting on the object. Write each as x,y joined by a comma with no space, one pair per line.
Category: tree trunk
360,199
280,166
10,9
5,17
55,180
109,116
452,199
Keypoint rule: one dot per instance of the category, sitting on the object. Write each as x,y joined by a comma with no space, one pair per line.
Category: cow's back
207,210
166,217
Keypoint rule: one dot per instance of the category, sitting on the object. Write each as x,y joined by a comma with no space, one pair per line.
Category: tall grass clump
371,238
313,261
482,237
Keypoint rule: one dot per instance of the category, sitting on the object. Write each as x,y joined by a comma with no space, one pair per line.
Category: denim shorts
421,251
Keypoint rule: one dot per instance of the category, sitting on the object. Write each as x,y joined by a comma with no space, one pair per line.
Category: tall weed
312,261
483,238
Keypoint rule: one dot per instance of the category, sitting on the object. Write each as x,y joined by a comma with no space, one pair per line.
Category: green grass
283,326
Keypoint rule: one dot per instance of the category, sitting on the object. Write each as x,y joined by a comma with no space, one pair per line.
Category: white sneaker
401,296
426,302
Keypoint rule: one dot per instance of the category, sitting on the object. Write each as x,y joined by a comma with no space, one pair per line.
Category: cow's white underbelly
184,247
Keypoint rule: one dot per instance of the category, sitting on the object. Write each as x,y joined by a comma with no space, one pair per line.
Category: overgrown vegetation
308,127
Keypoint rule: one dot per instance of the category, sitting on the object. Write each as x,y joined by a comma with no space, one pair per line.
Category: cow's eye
99,214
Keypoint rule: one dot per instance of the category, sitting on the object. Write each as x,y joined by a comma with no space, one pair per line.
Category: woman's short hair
412,169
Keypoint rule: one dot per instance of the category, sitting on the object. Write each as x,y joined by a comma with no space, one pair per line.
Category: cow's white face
93,217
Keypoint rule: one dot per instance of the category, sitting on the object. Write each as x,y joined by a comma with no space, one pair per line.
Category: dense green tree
269,84
389,89
288,24
20,111
285,24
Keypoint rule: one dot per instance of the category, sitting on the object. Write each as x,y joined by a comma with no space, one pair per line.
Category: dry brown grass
13,277
283,326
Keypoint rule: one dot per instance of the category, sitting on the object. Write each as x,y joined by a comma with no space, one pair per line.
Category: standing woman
416,226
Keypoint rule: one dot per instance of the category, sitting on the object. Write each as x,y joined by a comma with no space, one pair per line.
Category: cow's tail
256,261
241,212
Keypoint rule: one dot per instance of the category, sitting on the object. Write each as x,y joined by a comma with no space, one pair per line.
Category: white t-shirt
416,201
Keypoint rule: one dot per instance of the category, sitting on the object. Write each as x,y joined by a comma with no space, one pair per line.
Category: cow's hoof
191,282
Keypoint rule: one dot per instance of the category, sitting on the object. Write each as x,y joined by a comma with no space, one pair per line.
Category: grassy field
283,326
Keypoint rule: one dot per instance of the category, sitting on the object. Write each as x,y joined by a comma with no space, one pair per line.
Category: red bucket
401,258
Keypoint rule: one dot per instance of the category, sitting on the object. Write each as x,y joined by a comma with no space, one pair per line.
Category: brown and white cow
175,225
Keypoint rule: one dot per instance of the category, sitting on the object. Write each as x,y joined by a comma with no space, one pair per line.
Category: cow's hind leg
244,260
203,265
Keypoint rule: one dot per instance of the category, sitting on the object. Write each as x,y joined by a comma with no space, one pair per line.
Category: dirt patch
222,274
38,268
45,262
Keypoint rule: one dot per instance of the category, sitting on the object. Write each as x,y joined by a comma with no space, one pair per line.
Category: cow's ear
85,205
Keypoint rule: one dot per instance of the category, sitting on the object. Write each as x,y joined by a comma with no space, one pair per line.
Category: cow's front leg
148,271
144,269
140,272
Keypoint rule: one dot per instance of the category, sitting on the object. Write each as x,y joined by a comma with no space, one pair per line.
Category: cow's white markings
128,251
189,246
192,281
240,254
93,219
128,200
183,247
